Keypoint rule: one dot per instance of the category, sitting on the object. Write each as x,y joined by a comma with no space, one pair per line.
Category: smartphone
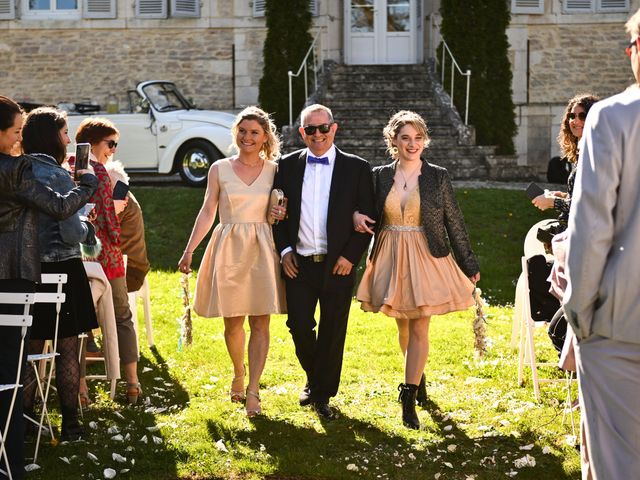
86,210
82,157
534,190
120,190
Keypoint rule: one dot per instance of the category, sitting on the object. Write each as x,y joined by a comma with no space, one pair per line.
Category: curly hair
567,140
41,132
271,148
399,120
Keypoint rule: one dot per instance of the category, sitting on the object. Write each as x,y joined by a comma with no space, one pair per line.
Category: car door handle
163,128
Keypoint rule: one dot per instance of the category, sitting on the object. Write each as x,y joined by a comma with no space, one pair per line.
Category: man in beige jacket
602,301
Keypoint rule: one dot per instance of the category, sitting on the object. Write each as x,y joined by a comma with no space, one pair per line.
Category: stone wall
568,59
51,66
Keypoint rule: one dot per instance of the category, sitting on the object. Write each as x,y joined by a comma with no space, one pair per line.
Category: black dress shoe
323,410
421,395
305,396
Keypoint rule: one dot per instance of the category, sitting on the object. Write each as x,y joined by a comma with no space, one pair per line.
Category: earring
393,151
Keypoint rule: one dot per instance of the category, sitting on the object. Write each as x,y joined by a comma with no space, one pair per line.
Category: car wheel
193,161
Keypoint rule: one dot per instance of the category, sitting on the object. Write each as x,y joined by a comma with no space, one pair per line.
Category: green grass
475,406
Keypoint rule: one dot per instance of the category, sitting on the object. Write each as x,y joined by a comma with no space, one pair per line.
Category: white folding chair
145,294
22,321
47,358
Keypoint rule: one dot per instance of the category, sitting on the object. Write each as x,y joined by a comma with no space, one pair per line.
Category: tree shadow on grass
348,447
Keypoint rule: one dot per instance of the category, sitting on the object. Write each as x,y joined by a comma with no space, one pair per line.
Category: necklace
406,180
250,165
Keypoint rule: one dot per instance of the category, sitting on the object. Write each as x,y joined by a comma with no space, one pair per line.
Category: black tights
67,376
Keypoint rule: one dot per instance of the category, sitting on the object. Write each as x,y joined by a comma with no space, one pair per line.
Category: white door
381,31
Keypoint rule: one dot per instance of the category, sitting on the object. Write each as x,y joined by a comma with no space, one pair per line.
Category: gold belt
317,258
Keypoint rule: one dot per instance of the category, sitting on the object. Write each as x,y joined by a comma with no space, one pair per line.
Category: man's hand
342,266
290,265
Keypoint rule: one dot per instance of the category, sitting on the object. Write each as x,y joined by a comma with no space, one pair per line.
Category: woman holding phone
45,137
103,136
21,200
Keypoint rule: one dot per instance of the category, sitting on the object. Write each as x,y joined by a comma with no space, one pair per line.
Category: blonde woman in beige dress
240,272
411,273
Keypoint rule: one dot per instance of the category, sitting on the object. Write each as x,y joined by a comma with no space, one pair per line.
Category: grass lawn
479,423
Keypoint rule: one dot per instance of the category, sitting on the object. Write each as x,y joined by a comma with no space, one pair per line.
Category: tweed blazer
441,217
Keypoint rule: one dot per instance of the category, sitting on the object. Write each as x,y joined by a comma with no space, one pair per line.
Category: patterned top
562,205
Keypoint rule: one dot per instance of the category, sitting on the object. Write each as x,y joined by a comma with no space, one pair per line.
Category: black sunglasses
629,48
323,128
582,116
111,143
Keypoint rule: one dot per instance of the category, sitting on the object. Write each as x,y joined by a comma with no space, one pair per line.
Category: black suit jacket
351,189
442,219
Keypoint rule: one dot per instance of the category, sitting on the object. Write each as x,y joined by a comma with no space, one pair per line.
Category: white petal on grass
546,450
109,473
93,425
221,446
448,428
157,440
124,470
119,415
411,456
526,461
144,439
117,438
146,369
92,457
352,467
65,460
113,430
452,448
570,440
154,428
118,458
437,476
447,464
31,467
527,447
511,473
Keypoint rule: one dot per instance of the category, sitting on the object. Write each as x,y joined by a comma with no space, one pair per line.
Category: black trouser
9,349
320,355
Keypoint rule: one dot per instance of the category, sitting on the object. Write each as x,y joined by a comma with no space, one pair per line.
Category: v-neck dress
403,280
240,271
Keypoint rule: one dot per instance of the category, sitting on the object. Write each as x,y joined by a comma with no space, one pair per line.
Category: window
595,6
51,8
527,6
7,10
260,5
161,8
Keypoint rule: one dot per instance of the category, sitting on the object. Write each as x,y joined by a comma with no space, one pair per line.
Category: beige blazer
603,257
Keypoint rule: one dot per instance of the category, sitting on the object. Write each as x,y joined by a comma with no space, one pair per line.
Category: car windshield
165,97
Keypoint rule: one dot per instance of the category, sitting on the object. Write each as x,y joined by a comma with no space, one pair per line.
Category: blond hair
633,25
271,148
399,120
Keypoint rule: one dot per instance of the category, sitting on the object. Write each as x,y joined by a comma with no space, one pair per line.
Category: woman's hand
475,278
84,171
120,205
361,223
279,212
184,265
543,202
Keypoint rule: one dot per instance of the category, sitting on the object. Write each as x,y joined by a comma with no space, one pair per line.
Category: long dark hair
8,111
41,132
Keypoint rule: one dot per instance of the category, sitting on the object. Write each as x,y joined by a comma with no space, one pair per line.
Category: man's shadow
347,447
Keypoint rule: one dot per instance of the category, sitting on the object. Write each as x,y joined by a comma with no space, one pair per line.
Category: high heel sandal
252,412
238,396
134,390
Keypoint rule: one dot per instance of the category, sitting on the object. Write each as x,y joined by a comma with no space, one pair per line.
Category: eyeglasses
582,116
111,143
629,48
311,129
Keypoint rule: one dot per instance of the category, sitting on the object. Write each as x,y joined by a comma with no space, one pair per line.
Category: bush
287,42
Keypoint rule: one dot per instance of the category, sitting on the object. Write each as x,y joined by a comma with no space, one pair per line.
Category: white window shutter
185,8
578,6
259,7
151,8
7,9
99,8
527,6
613,5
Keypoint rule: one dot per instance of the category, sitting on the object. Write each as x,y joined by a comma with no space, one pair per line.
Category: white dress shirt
314,206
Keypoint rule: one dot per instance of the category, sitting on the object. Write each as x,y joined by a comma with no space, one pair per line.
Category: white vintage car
164,133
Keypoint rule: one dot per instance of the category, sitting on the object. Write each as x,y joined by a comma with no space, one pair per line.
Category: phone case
534,190
120,190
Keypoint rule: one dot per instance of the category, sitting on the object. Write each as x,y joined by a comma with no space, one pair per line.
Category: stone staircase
363,97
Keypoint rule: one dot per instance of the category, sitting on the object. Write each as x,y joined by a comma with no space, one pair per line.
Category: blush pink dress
403,280
240,270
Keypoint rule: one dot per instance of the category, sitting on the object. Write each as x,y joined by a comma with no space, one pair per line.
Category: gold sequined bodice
393,213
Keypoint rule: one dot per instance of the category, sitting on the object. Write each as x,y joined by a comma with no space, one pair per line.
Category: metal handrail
467,74
303,67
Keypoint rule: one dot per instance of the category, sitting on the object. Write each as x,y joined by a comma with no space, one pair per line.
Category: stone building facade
71,50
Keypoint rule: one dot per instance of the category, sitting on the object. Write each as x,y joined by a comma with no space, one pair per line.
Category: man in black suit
320,249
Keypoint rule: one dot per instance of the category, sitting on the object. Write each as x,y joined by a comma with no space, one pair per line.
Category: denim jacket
59,240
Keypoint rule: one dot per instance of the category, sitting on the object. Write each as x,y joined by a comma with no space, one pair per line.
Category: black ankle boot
408,398
71,428
421,397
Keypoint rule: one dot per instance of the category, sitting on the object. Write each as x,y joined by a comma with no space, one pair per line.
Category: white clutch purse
276,198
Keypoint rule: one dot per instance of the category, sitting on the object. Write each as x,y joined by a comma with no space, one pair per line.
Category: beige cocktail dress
240,270
403,279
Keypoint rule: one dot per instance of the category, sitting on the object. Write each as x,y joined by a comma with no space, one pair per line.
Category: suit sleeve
365,203
591,220
44,199
456,229
281,228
